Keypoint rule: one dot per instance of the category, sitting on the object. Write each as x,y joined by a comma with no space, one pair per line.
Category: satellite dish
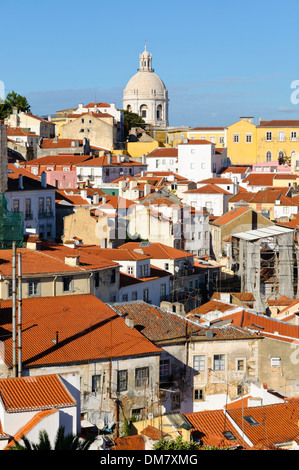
100,424
150,416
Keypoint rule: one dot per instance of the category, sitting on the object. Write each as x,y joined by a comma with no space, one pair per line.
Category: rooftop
72,329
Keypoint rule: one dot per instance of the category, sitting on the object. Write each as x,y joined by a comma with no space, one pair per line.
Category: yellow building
241,142
216,135
276,140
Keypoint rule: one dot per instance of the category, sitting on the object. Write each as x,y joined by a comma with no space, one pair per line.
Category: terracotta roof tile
209,427
158,250
275,424
231,215
208,189
34,393
165,152
129,443
70,329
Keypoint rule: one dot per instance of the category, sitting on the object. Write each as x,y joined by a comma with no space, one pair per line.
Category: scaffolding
11,226
264,260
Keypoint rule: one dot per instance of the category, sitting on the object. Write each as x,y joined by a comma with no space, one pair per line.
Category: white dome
146,94
145,83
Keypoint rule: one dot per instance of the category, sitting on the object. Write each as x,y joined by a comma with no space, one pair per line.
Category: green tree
132,120
176,444
13,100
62,442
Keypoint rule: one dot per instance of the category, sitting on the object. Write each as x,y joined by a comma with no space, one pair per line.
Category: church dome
145,83
146,94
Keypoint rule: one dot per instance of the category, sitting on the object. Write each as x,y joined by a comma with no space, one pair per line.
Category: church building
146,94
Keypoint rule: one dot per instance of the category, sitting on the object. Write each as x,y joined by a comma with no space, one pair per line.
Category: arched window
159,111
143,111
268,156
129,108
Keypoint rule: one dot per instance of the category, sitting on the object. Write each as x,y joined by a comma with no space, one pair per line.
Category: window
221,140
122,380
248,138
113,297
143,110
67,284
113,277
96,383
162,291
125,298
293,136
145,295
138,414
198,394
219,362
142,377
199,363
268,156
275,361
28,209
166,266
33,288
134,295
48,205
157,163
130,269
15,205
236,138
164,369
96,279
250,420
281,136
268,136
240,364
175,400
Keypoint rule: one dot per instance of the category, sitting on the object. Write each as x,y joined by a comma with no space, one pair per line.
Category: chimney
21,186
118,158
44,179
95,198
83,193
109,159
129,322
143,159
72,260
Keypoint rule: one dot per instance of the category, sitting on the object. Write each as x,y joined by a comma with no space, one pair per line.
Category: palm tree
62,442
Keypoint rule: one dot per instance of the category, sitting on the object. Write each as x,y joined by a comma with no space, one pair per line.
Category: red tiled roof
231,215
276,424
265,325
98,105
259,179
103,161
216,181
208,189
158,250
61,143
164,152
39,119
236,169
17,131
209,426
71,329
245,196
129,443
279,123
50,259
61,159
34,393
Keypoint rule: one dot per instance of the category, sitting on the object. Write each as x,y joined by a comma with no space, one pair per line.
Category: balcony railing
28,215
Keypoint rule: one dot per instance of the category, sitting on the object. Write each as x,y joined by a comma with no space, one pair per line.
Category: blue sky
219,60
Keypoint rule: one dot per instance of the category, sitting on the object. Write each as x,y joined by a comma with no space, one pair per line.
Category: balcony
28,215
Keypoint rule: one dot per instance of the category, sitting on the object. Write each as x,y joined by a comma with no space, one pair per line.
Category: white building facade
146,95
